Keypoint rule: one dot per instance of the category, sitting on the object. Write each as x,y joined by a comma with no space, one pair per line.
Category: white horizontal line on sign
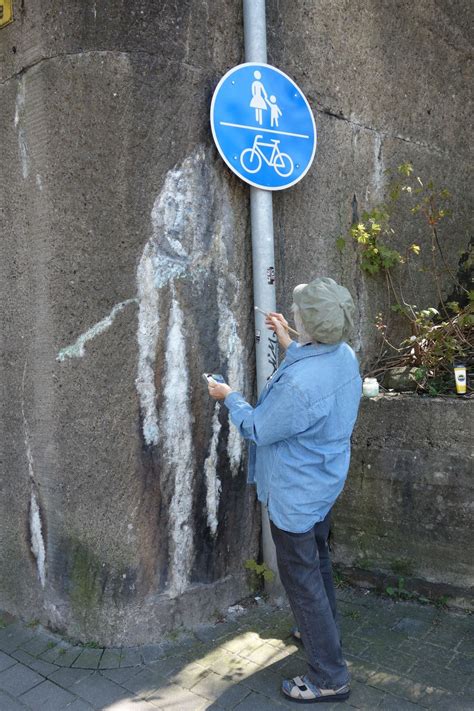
263,130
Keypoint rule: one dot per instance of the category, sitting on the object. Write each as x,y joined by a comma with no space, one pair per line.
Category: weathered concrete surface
389,83
126,273
125,268
407,508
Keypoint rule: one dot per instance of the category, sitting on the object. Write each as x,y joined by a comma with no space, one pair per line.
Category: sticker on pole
263,126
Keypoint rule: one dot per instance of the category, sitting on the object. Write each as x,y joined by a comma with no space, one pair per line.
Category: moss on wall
86,580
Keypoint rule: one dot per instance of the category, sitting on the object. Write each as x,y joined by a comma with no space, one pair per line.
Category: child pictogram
275,111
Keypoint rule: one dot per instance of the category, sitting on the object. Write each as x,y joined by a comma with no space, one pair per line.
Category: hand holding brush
279,325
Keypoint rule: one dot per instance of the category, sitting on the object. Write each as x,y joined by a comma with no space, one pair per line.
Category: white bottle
370,387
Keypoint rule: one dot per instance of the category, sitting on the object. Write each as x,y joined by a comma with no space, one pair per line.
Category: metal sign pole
263,256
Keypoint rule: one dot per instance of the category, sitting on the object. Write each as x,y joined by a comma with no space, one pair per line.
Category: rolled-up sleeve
282,414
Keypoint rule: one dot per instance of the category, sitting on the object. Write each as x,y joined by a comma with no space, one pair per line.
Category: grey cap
326,310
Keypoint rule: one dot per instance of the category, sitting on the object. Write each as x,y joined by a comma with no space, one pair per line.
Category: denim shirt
300,432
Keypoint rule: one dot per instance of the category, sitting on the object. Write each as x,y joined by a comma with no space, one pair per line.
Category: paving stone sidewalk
402,656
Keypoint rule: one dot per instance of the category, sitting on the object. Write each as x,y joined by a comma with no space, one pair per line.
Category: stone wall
126,272
407,507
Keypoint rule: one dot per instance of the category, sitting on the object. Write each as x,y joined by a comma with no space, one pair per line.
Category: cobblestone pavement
402,656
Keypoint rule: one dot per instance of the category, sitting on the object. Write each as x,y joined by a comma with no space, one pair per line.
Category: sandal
302,691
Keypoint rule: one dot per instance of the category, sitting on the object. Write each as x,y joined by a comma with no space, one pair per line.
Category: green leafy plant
436,337
339,579
400,591
259,573
352,614
369,234
442,601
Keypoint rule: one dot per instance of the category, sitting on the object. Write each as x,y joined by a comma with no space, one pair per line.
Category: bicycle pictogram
252,158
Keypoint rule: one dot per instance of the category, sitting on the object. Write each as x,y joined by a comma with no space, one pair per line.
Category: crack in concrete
379,132
323,110
127,53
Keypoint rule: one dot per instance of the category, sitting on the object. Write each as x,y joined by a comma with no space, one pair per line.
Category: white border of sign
246,180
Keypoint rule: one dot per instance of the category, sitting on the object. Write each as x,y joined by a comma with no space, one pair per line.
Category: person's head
257,74
323,311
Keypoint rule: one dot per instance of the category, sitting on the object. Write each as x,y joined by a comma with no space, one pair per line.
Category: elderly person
300,432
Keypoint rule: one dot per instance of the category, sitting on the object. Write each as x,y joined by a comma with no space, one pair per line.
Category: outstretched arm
275,322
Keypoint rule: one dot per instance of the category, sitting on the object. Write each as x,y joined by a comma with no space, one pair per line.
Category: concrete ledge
406,510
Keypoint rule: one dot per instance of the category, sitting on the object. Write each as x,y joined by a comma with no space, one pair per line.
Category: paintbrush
288,328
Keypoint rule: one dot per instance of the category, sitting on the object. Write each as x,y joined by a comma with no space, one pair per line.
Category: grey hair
303,337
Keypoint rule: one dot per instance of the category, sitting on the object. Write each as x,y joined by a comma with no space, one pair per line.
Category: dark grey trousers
305,570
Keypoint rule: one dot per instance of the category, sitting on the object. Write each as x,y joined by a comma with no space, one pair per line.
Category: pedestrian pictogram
263,126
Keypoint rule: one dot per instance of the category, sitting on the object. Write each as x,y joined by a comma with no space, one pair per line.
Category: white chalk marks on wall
178,455
213,483
191,237
37,545
77,349
230,349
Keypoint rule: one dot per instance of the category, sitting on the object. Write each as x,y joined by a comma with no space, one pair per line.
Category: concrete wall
126,272
125,275
407,508
389,81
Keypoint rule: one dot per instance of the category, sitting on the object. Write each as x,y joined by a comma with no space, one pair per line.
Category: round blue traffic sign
263,126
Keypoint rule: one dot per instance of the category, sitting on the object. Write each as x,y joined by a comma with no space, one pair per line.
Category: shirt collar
295,351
